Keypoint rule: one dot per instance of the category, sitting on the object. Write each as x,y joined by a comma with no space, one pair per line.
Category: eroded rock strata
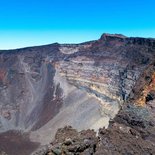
83,85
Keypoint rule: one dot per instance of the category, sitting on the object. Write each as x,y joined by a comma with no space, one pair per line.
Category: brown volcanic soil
16,143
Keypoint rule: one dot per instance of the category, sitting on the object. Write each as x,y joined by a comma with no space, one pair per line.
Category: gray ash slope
83,85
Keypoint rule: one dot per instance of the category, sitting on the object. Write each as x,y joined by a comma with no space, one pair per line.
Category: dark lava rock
128,134
117,139
77,142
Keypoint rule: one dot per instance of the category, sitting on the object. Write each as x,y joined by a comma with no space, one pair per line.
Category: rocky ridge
131,132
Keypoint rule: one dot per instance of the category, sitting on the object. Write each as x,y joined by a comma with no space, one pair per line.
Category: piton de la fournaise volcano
93,98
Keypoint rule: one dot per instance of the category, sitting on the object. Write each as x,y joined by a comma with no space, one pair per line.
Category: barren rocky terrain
106,84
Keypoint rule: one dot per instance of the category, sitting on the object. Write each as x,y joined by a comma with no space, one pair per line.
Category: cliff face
83,85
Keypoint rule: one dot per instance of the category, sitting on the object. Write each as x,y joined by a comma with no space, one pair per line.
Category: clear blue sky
36,22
